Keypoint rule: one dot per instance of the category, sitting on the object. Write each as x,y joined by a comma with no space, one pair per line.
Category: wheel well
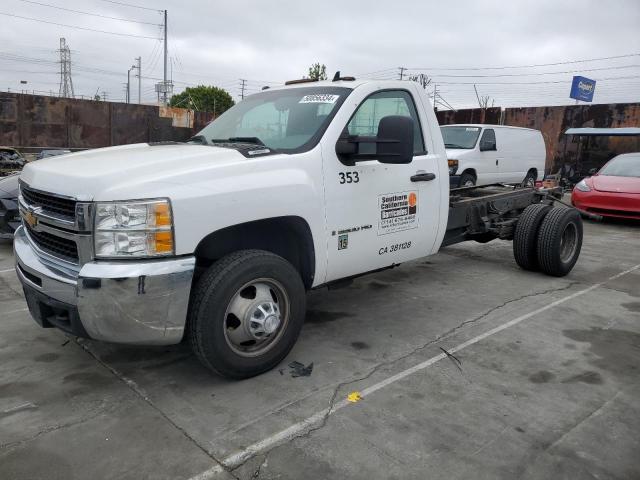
470,171
534,171
289,237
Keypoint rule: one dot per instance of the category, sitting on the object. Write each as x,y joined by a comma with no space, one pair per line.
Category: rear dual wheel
559,241
548,239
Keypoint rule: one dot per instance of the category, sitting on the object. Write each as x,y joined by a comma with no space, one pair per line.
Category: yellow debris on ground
354,397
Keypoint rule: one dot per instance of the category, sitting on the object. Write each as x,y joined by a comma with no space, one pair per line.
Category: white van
484,154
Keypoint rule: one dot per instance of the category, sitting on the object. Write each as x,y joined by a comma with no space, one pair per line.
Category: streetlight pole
139,67
129,83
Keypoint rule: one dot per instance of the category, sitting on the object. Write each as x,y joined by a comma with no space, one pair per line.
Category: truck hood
84,175
609,183
456,153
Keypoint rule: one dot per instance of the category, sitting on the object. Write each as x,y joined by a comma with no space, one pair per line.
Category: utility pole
104,96
242,87
66,84
477,96
164,94
435,96
139,67
402,69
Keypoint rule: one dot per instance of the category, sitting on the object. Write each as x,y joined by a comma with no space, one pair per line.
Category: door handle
423,177
496,163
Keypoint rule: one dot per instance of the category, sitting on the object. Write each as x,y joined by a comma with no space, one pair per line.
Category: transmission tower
66,84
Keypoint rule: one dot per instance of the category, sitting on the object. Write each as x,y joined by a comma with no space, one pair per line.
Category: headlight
453,166
133,229
582,186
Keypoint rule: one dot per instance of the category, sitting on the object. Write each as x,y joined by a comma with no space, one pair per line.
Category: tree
318,72
422,79
204,99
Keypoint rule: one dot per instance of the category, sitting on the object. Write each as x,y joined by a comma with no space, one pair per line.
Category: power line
618,67
567,62
531,83
76,27
89,13
132,6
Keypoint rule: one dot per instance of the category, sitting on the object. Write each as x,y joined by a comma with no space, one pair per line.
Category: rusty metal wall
33,121
469,115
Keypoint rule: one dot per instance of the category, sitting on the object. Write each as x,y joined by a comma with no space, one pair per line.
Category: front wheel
530,180
246,313
467,180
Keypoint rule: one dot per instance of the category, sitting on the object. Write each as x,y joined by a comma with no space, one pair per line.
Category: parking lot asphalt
540,379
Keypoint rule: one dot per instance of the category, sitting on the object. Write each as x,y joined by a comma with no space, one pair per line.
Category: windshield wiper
200,139
255,140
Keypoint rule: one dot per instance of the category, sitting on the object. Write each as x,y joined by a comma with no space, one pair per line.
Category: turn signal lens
163,242
162,214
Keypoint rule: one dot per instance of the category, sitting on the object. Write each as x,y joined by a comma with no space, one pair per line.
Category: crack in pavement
134,387
331,405
53,428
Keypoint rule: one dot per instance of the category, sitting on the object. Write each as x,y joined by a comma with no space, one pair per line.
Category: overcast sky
268,42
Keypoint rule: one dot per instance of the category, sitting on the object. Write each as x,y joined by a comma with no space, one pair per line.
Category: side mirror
394,143
486,145
593,171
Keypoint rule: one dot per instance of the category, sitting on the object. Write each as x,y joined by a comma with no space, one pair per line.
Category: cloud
221,42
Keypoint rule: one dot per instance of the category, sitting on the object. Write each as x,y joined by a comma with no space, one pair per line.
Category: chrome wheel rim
529,182
468,183
256,317
568,243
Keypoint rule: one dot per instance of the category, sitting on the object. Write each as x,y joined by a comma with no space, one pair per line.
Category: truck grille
54,245
50,203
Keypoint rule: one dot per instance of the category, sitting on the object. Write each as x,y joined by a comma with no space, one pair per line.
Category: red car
612,192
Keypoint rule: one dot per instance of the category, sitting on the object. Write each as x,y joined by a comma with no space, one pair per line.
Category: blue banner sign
582,88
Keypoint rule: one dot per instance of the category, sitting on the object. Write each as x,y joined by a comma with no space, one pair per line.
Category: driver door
376,216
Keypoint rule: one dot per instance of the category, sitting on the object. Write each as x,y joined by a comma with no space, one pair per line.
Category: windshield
288,120
460,137
622,166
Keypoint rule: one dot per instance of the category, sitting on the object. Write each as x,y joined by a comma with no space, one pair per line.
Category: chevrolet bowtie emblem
30,219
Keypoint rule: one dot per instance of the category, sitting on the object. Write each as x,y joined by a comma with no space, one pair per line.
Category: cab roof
487,125
352,84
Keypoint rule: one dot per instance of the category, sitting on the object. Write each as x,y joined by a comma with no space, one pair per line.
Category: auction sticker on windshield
319,98
398,212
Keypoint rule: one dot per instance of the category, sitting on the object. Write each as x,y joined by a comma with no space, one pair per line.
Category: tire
225,289
530,180
465,178
525,237
559,241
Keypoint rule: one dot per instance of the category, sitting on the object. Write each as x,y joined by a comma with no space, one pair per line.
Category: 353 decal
349,177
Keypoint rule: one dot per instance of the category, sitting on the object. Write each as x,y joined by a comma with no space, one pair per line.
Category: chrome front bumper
141,302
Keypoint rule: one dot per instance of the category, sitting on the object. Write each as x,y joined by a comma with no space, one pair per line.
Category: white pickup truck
217,240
